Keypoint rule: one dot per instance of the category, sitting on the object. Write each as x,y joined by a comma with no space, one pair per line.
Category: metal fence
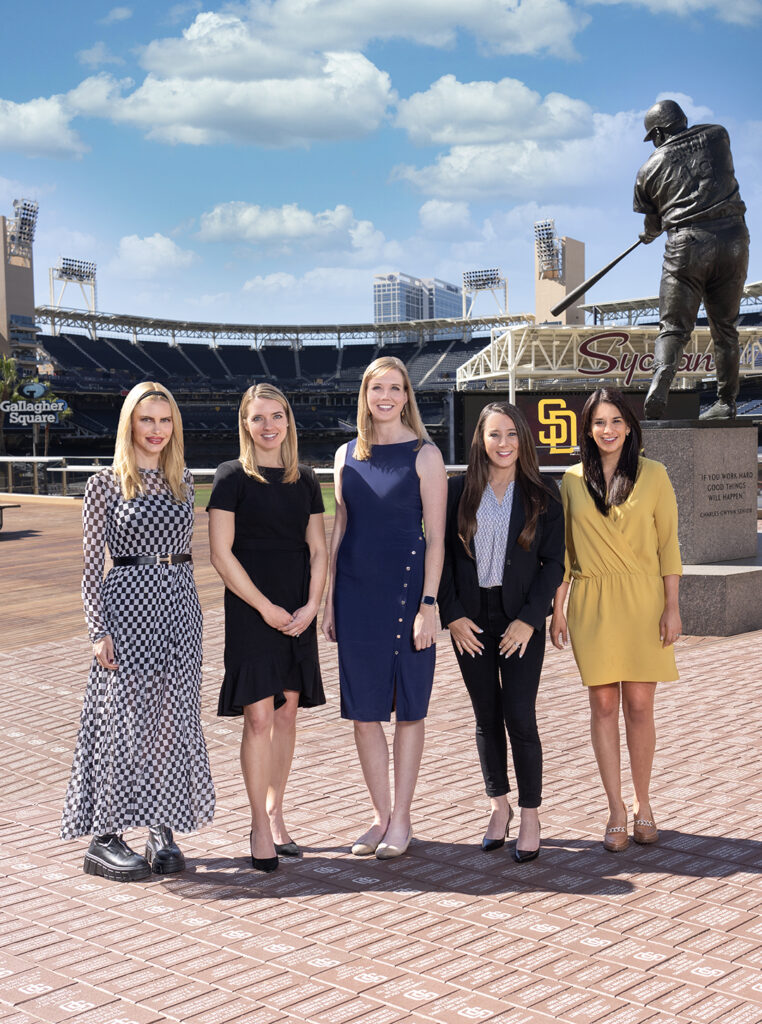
68,476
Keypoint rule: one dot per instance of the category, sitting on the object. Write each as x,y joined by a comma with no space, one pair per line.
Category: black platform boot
162,852
110,857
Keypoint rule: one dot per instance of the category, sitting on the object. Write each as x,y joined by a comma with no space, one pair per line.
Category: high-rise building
398,297
444,300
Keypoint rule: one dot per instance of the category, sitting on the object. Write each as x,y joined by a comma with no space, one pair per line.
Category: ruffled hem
248,683
182,824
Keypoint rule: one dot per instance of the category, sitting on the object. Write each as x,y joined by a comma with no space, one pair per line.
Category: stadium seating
170,361
66,352
458,353
142,367
279,360
242,361
318,362
354,359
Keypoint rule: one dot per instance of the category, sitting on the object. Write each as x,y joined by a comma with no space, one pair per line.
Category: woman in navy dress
268,545
391,491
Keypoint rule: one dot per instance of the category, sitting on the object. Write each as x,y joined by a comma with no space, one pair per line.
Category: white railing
57,476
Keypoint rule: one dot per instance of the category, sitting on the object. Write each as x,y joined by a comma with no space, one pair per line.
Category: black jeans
503,692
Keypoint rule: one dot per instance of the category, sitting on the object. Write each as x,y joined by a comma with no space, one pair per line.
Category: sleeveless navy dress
379,585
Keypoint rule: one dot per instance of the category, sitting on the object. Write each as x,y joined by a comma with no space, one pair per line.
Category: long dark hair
626,471
534,491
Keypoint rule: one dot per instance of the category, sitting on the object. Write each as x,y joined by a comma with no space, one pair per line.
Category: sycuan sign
628,364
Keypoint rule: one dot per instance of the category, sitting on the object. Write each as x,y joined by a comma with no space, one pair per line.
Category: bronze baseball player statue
688,188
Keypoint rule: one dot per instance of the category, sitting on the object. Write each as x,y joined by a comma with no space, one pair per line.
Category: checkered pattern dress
140,757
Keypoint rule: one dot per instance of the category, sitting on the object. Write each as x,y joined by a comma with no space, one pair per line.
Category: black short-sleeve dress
270,529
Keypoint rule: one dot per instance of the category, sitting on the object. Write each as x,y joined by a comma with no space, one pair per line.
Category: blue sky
260,161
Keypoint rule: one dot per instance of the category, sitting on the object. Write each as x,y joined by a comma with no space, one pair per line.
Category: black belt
152,559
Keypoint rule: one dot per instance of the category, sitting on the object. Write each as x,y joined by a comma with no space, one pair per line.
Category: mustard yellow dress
615,564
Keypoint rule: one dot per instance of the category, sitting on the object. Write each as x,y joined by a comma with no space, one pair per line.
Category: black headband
156,394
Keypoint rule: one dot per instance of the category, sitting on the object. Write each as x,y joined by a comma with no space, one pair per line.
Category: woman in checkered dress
140,759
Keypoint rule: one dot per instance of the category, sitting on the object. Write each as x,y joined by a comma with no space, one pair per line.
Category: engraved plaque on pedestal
713,469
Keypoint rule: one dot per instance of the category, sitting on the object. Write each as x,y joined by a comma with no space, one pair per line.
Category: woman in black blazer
504,559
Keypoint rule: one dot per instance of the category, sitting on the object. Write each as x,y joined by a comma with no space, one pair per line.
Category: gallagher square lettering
25,413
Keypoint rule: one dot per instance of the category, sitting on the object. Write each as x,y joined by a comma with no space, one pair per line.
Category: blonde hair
289,450
171,457
410,415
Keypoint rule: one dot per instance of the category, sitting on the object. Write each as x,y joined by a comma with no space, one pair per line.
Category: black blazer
530,578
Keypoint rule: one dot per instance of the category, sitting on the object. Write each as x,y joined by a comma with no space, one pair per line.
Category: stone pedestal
713,469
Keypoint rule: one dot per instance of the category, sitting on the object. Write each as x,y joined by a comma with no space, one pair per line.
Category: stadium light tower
550,253
18,330
71,271
559,267
475,281
22,228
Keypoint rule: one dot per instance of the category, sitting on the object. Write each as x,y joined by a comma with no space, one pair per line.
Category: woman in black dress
267,543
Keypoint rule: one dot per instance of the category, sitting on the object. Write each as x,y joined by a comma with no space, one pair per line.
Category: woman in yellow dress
623,565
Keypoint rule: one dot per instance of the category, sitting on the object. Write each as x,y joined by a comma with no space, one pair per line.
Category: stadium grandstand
91,359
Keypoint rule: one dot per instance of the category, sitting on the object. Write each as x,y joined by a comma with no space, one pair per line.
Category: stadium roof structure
556,357
632,310
256,335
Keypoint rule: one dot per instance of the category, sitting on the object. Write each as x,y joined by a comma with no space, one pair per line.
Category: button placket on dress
403,599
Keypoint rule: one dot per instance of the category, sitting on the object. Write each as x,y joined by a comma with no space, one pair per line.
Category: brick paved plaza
665,934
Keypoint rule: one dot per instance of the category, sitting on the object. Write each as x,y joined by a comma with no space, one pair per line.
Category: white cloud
97,55
117,14
39,127
289,72
694,112
149,258
737,12
289,298
439,217
535,168
268,284
517,27
179,12
226,47
347,99
247,222
452,112
11,189
285,228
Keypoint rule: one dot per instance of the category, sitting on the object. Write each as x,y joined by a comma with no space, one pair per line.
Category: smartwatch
428,599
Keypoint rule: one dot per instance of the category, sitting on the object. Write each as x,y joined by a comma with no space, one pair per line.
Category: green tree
9,379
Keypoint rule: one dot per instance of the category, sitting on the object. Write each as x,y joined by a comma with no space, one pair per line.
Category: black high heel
488,845
289,849
266,864
522,856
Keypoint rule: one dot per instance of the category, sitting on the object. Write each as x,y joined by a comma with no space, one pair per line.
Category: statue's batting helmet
665,114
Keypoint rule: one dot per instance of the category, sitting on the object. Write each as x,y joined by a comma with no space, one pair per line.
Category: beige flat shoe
363,848
386,851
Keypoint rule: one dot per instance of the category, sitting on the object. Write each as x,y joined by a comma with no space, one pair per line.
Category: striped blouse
493,519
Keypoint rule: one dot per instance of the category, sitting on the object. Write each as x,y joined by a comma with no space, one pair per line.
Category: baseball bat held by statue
582,288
